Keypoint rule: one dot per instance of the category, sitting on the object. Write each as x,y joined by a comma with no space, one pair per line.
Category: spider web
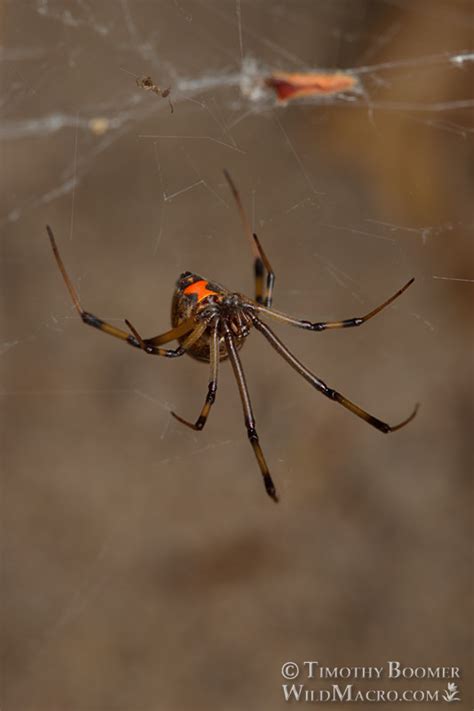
113,513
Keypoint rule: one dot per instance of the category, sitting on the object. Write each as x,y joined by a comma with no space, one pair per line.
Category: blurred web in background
25,68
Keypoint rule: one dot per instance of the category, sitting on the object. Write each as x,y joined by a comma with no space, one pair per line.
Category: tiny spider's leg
263,295
248,414
212,387
323,325
322,387
149,345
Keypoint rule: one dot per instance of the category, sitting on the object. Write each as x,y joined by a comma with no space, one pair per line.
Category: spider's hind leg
324,325
263,292
248,414
212,387
330,393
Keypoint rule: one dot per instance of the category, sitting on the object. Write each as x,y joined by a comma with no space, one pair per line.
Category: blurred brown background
143,566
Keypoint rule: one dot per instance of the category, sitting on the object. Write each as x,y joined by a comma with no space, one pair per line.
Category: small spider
148,84
210,323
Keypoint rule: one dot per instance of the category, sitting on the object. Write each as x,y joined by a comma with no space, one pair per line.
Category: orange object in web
295,86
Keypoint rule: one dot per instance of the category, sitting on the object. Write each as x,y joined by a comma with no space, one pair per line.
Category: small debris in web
148,84
99,125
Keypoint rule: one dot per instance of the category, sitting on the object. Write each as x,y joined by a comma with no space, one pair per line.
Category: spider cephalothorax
210,323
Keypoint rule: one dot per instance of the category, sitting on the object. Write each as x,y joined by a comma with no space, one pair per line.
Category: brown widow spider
211,324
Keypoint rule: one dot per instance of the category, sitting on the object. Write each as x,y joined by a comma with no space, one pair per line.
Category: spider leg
323,325
248,414
91,320
212,387
322,387
263,294
150,345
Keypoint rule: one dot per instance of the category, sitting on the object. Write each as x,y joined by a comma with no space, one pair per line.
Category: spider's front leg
132,339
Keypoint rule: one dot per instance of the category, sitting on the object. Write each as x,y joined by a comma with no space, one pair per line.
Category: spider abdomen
195,297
